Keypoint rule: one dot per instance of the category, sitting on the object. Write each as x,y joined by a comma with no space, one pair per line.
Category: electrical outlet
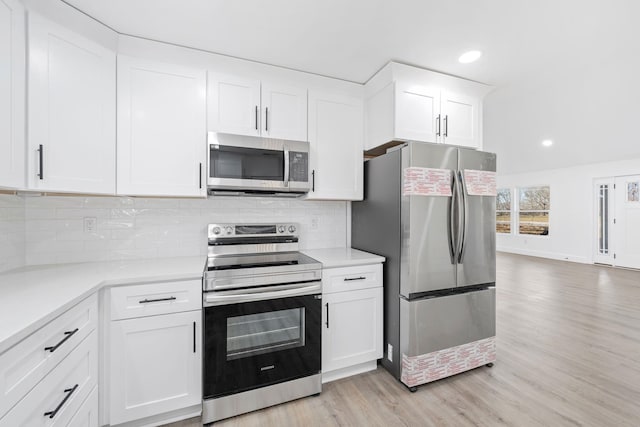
314,223
390,352
90,224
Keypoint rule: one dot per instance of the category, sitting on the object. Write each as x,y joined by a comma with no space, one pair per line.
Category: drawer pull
69,392
67,334
146,301
349,279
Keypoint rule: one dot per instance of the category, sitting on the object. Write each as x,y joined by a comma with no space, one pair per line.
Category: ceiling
352,39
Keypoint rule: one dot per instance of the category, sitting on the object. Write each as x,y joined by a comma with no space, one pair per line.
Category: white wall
130,228
572,227
12,237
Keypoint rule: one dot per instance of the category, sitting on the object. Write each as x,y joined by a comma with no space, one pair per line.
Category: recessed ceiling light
470,56
547,143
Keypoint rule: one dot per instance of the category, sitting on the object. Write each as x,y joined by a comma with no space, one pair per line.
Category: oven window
260,333
246,163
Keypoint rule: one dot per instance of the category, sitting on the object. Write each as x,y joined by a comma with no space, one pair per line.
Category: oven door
254,344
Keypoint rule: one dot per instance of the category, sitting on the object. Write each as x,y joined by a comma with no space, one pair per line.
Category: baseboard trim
547,255
349,371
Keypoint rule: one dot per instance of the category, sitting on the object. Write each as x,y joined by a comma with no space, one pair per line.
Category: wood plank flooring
568,346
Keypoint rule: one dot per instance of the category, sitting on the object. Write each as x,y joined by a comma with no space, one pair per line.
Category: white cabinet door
352,331
234,105
460,120
161,129
336,127
72,111
417,113
155,365
285,112
12,94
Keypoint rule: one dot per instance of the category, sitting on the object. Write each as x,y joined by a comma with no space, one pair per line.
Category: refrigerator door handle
465,219
453,240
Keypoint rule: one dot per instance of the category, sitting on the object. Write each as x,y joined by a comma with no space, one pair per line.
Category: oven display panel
255,229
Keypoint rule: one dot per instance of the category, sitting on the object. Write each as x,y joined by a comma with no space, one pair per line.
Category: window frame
510,211
518,211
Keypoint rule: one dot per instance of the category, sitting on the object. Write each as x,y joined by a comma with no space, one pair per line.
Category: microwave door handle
286,167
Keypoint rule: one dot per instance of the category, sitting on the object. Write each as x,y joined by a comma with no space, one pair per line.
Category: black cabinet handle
327,322
41,161
446,125
67,334
146,301
349,279
313,180
194,337
256,117
69,392
200,175
266,119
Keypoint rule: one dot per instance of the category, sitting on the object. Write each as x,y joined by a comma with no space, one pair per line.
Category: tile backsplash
12,235
127,228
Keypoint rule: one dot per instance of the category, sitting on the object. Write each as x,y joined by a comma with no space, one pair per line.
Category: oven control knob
292,229
281,229
229,230
216,230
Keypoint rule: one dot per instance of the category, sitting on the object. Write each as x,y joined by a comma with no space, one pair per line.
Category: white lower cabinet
352,323
60,395
155,365
87,415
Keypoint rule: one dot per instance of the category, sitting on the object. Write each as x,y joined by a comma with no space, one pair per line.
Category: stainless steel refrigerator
429,209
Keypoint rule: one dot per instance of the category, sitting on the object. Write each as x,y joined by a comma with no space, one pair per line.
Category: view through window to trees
533,210
503,210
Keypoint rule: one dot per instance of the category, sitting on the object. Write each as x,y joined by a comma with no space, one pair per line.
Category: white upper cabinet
417,112
460,120
405,103
12,94
71,111
234,105
71,122
161,129
285,112
247,107
336,137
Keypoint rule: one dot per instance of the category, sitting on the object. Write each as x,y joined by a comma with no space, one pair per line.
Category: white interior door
603,220
627,221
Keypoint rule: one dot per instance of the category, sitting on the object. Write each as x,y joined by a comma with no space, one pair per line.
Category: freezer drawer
433,324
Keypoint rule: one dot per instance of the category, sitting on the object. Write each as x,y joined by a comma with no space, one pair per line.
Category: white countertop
32,296
342,257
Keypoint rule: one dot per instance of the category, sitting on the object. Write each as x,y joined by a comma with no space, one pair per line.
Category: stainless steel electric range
262,319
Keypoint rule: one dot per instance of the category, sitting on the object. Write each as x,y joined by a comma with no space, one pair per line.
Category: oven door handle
216,298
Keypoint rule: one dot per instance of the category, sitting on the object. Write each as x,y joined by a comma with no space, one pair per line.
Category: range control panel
252,230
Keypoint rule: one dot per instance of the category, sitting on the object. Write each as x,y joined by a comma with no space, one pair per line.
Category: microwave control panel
298,166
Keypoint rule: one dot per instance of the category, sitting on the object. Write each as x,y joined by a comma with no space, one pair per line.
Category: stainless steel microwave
246,165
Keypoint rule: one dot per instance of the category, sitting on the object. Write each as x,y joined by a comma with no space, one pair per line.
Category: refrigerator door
477,257
433,324
426,256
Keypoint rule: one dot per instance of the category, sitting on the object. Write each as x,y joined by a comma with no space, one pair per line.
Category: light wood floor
568,345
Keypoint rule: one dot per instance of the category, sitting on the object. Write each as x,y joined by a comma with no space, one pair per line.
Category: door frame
607,258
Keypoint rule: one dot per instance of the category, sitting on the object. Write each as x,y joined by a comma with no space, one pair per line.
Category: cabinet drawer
351,278
55,400
87,415
157,298
26,363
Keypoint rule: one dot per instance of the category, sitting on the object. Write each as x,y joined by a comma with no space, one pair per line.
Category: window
503,210
533,211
